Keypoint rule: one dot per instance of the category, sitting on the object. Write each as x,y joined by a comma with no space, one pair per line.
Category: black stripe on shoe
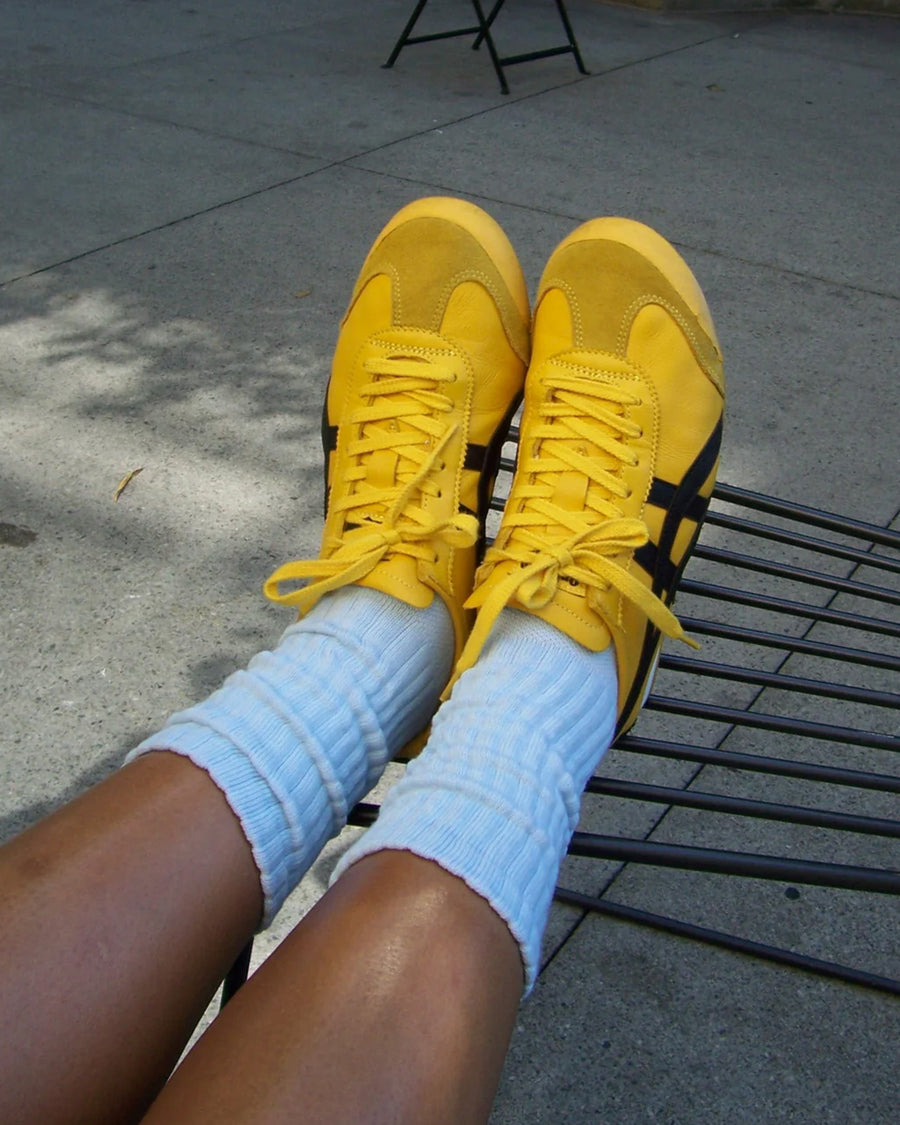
687,503
663,495
681,501
329,436
476,457
488,466
329,445
660,567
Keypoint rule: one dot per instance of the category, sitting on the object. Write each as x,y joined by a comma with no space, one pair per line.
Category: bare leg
392,1001
119,915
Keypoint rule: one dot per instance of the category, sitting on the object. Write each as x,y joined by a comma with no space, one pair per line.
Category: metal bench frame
860,545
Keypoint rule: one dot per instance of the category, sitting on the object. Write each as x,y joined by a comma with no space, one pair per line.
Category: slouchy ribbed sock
299,737
494,798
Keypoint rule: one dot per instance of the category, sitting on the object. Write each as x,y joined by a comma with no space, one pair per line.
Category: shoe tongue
569,611
572,489
382,465
381,468
397,575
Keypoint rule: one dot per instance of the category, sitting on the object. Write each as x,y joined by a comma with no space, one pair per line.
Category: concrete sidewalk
187,194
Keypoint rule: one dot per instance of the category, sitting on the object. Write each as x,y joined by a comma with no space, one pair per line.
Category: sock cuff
299,737
280,844
496,794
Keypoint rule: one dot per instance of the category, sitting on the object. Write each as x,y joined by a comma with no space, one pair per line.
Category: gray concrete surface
187,192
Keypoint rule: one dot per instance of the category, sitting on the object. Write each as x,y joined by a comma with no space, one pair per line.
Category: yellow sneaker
427,373
618,452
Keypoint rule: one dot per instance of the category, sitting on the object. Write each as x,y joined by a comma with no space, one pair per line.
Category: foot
618,452
427,373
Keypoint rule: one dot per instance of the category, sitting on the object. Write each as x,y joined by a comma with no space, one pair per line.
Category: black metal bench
787,715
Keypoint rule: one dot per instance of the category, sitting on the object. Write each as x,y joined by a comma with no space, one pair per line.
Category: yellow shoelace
550,543
402,438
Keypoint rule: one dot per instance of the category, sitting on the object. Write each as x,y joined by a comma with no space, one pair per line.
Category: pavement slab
787,195
640,1027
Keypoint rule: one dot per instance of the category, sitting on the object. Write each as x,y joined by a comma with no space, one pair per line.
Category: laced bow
401,436
548,543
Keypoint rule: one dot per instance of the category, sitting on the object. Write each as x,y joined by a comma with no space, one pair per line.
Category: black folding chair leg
488,22
481,30
485,35
570,35
405,34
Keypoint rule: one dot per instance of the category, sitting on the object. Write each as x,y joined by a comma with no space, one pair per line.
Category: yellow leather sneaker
618,452
427,373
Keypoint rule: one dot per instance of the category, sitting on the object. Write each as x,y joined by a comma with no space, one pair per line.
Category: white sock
300,736
494,798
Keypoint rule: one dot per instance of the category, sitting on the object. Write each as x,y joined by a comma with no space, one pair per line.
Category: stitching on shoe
500,295
389,347
700,349
574,307
460,464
